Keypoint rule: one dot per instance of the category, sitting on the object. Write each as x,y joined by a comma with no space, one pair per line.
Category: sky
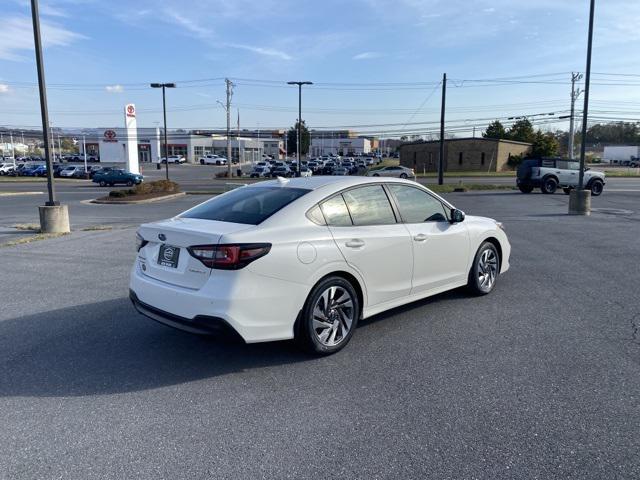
376,65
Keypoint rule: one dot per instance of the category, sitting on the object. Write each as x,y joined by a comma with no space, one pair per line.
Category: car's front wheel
485,269
129,183
403,175
329,317
103,183
597,187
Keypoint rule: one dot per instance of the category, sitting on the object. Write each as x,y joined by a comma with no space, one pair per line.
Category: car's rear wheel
596,188
525,188
129,183
329,317
549,185
566,191
376,175
485,269
403,175
103,183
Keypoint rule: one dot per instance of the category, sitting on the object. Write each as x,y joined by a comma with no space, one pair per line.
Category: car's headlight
140,242
500,225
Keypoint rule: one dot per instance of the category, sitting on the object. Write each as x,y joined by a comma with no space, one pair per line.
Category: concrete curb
130,202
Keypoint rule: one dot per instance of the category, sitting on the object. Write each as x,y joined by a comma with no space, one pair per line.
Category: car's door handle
355,243
421,237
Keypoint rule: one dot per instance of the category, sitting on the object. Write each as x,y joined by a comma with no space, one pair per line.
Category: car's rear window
249,205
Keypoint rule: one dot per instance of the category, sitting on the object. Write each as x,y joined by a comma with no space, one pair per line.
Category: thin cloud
190,25
16,37
114,88
367,55
4,88
268,52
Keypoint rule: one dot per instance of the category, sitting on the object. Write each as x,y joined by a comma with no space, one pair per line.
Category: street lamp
299,137
164,112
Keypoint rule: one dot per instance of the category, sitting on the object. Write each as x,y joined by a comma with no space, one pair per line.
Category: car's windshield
250,205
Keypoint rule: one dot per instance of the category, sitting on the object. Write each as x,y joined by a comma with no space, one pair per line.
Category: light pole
299,142
54,218
579,199
163,86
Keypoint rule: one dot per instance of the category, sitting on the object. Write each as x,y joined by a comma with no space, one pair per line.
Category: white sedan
393,171
307,258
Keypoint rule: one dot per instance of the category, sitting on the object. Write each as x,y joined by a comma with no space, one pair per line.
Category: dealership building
110,145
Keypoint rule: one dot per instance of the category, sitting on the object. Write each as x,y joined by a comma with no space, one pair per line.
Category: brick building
462,154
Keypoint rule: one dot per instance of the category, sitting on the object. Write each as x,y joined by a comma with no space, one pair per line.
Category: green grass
467,174
622,172
450,187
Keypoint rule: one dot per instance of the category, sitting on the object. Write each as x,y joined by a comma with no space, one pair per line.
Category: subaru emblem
162,236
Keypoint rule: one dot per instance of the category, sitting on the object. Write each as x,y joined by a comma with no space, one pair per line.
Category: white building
340,146
110,144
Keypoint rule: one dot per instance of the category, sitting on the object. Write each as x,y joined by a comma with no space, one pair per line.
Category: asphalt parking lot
540,379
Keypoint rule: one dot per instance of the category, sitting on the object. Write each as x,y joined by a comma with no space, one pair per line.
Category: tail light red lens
229,257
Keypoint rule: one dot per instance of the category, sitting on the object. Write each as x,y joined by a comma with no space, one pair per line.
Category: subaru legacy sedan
307,258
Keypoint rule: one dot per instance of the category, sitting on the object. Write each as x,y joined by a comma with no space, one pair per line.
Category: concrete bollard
54,219
580,202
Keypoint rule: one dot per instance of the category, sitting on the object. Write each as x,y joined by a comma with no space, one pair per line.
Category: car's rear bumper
256,307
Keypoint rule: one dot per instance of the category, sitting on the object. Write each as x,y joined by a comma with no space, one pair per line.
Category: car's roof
319,181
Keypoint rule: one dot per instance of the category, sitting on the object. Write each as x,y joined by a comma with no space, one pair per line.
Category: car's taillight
140,242
229,257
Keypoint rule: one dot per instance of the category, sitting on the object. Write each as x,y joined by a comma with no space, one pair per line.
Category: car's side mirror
457,216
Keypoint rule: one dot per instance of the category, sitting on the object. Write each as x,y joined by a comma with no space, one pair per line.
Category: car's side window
417,206
369,206
336,212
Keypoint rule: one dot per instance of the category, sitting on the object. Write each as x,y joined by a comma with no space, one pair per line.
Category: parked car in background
81,172
392,171
6,168
212,159
550,173
281,171
177,159
305,172
28,170
117,176
40,171
69,171
340,171
260,172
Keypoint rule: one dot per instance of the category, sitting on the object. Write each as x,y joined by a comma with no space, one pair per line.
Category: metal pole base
580,202
54,219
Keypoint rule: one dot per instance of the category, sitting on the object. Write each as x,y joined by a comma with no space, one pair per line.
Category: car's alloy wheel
549,185
596,188
485,269
403,175
129,183
103,183
329,316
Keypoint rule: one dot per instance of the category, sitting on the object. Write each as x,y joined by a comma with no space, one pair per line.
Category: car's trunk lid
167,245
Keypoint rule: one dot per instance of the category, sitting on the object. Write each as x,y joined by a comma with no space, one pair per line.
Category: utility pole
13,150
229,84
164,113
574,96
442,108
84,150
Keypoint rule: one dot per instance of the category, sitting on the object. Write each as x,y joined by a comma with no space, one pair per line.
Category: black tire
201,162
596,188
549,185
307,334
475,283
525,188
103,183
376,175
566,191
403,175
129,183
